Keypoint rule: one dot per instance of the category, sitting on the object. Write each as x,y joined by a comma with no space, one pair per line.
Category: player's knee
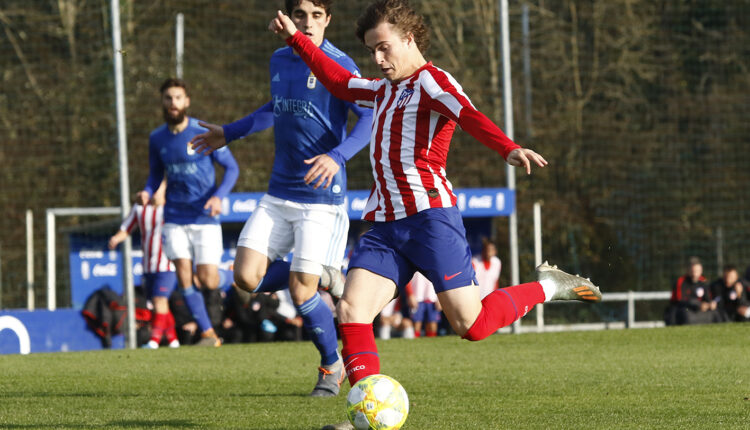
344,312
474,332
474,337
301,293
247,281
209,281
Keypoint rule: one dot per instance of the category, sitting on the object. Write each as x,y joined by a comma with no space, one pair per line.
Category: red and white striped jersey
413,122
149,219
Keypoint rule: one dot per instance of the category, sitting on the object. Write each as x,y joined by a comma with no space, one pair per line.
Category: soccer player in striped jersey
304,207
192,233
417,226
159,278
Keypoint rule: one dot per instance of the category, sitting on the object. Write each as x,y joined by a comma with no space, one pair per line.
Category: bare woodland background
639,105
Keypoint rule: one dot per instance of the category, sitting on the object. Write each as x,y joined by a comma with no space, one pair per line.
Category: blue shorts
426,312
160,284
432,242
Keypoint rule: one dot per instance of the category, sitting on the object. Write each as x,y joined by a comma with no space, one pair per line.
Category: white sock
408,333
385,332
549,288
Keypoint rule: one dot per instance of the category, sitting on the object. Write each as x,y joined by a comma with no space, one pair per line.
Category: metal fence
639,105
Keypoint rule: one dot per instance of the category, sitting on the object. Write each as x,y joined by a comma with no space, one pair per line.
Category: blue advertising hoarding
93,266
472,202
22,332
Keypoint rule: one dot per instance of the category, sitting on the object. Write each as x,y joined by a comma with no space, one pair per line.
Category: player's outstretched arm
225,159
209,141
331,74
523,157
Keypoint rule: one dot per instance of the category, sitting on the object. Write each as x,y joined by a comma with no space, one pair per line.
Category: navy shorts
432,242
160,284
426,312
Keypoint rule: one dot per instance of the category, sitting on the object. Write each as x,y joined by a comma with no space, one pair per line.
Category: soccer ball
377,402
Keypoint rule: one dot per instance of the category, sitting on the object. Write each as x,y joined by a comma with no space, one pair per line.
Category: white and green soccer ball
377,402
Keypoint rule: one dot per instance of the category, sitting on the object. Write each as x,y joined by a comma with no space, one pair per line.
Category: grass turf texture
686,377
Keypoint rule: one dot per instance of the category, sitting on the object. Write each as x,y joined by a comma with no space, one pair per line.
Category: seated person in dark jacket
731,294
254,317
691,301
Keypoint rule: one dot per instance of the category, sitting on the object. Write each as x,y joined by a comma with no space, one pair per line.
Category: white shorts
316,233
201,243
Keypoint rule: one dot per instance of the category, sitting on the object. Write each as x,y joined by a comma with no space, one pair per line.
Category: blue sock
318,322
196,304
276,277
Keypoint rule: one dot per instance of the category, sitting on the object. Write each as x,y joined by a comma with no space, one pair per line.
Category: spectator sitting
187,328
691,299
487,268
256,317
731,294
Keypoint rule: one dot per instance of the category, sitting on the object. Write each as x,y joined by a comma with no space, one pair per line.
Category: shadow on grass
297,394
174,424
177,424
26,394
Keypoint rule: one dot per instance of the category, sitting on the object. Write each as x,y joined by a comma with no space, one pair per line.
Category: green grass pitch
687,377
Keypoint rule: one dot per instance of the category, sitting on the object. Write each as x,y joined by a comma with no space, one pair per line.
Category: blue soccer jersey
191,177
308,121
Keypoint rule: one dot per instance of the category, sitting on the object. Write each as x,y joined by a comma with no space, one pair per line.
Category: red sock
430,333
417,333
170,330
360,352
502,307
158,324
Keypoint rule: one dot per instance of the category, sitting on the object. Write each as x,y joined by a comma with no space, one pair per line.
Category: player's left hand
324,168
209,141
116,239
282,25
213,205
523,157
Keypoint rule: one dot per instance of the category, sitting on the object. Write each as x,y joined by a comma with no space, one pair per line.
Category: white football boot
567,286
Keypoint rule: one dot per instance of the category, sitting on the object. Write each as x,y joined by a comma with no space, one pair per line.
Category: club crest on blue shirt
190,150
311,81
403,100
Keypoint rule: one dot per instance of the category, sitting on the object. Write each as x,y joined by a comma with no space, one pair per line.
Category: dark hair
173,82
325,4
729,268
692,261
399,14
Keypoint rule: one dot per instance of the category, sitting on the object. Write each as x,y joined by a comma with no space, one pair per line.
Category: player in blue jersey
304,207
192,233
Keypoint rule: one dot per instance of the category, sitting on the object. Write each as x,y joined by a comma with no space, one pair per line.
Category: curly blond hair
400,15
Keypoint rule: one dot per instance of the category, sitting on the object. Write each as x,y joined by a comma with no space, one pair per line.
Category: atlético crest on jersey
311,81
403,100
